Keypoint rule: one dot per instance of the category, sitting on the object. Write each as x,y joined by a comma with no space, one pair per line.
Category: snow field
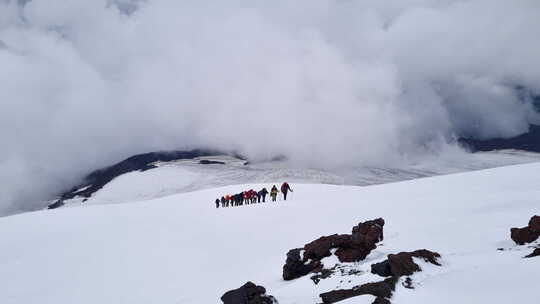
181,249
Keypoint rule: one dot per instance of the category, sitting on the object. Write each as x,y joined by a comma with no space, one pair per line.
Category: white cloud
85,82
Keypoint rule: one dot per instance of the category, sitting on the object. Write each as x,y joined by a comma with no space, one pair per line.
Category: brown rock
534,224
349,248
382,269
523,235
296,266
320,248
370,232
338,295
527,234
353,254
402,264
249,293
382,290
381,301
364,239
535,253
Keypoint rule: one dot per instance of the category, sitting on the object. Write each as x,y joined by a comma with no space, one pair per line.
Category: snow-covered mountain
172,177
180,249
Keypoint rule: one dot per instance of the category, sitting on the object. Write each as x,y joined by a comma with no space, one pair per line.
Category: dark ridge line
529,141
211,162
140,162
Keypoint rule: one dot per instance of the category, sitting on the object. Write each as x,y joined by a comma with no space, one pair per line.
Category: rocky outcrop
534,223
320,248
349,248
364,239
249,293
523,235
382,290
381,301
535,253
296,266
382,269
369,232
352,248
210,162
402,264
397,265
527,234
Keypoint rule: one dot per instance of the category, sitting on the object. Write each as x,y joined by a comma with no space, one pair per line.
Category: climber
262,194
273,193
284,189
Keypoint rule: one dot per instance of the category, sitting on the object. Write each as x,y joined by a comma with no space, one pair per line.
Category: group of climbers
252,197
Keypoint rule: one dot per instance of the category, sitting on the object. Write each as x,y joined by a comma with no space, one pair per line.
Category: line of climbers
252,196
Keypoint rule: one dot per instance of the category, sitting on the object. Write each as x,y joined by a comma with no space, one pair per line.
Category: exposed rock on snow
296,266
527,234
323,274
534,223
382,269
535,253
523,235
350,248
365,236
408,283
342,270
397,265
249,293
57,204
383,290
320,248
402,264
211,162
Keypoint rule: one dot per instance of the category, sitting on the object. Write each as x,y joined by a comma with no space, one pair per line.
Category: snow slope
180,249
188,175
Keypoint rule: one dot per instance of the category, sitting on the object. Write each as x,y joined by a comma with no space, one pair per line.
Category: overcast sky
84,83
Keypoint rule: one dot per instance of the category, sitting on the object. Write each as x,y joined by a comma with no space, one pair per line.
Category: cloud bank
325,82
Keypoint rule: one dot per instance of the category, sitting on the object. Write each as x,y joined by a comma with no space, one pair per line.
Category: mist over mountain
325,83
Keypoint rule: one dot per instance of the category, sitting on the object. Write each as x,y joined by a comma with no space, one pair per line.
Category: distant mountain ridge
529,141
141,162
